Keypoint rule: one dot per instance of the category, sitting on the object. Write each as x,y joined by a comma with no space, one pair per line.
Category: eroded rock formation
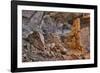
51,36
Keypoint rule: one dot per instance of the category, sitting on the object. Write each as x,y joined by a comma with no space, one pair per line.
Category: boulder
37,40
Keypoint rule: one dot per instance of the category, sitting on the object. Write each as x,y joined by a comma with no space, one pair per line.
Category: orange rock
73,41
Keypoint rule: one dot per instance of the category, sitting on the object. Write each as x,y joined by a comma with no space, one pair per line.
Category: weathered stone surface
70,57
37,40
49,36
27,13
54,41
73,40
33,25
48,25
85,37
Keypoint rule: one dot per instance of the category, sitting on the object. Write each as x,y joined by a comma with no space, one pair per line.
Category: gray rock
48,25
33,25
37,40
27,13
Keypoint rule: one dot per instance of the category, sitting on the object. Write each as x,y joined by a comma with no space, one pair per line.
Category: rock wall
49,36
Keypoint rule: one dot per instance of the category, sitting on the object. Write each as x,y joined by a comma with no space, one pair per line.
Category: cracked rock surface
49,36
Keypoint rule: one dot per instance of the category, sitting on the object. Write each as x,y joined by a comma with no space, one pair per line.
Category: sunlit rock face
52,36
